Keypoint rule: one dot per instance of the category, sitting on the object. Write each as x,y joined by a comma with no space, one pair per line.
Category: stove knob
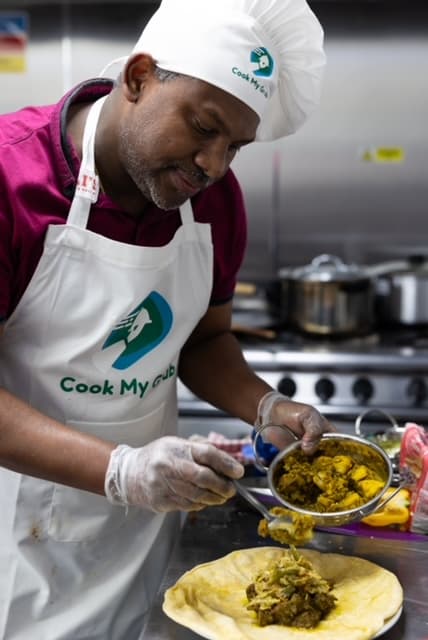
417,391
324,389
362,390
287,386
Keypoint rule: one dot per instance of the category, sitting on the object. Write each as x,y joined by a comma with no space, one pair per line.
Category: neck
76,119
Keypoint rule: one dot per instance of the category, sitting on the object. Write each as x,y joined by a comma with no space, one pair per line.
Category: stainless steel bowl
335,518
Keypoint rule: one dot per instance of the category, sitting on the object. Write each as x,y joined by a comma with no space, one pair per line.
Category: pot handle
259,461
358,422
382,503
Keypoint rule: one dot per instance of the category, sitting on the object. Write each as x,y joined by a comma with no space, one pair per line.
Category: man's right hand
171,474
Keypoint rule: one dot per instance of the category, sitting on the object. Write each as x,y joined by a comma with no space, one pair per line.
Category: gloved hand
171,474
302,419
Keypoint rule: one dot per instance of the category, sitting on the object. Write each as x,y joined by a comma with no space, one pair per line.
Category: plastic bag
414,471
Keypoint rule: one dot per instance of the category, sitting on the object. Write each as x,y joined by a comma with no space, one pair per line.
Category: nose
213,159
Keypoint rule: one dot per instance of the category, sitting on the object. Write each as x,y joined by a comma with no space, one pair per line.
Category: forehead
218,106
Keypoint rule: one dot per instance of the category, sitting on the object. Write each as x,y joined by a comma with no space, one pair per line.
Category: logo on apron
139,332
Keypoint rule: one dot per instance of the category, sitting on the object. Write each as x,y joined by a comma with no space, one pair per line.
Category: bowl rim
362,510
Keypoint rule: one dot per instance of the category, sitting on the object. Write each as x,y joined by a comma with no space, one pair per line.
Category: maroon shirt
38,171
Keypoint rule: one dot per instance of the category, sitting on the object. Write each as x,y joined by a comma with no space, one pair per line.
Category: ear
137,72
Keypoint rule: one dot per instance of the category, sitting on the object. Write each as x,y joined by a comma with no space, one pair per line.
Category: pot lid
327,268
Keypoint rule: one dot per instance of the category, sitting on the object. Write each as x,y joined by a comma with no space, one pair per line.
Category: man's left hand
304,420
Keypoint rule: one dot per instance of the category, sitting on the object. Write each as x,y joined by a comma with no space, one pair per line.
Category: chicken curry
339,476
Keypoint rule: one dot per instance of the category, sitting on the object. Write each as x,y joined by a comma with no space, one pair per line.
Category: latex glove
171,474
304,421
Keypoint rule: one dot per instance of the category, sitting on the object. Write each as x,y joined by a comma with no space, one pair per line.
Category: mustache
196,176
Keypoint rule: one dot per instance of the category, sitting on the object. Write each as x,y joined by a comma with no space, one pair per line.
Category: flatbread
211,600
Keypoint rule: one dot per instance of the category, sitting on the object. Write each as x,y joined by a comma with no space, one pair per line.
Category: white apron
94,343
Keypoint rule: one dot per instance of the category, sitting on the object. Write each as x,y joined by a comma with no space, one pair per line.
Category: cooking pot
328,297
401,291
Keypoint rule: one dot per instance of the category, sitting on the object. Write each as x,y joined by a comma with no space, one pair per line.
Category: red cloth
234,446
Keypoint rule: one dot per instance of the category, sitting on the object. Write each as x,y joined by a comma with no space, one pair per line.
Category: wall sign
13,41
394,155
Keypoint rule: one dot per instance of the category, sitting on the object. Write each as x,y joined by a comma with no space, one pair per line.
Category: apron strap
186,213
88,184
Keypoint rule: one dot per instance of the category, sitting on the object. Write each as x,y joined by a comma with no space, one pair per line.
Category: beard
149,181
144,179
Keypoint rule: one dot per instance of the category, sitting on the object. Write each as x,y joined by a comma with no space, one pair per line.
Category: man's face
181,136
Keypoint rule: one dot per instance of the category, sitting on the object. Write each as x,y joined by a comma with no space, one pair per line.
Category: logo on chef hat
137,334
263,62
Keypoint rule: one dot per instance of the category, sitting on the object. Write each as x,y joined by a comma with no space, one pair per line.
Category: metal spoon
274,522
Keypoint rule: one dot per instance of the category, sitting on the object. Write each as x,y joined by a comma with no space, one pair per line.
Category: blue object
264,450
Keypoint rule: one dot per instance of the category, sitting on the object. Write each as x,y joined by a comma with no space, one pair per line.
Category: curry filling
338,477
297,532
290,592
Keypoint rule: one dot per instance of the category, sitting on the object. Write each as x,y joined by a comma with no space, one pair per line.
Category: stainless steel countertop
216,531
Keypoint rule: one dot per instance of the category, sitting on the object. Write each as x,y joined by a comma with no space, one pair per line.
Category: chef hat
267,53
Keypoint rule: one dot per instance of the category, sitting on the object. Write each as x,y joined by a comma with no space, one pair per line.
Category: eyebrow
222,124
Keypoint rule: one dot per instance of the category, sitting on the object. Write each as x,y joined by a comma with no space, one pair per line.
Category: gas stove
343,377
385,370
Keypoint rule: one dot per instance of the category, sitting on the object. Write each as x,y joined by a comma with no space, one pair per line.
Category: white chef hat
267,53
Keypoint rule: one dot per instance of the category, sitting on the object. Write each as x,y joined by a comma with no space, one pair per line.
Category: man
122,230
